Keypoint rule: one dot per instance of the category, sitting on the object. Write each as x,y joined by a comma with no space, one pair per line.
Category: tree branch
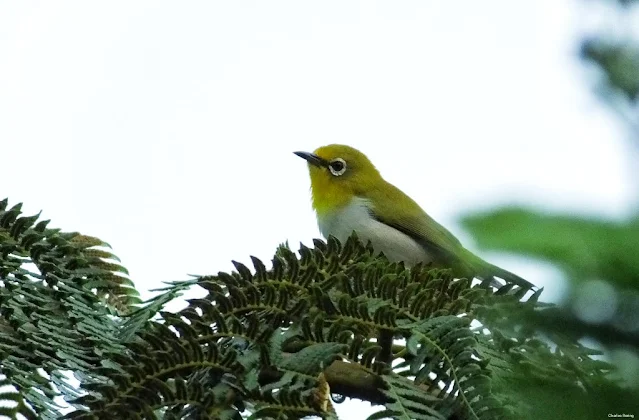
354,381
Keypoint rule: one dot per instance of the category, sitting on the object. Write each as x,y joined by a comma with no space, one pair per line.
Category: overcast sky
167,129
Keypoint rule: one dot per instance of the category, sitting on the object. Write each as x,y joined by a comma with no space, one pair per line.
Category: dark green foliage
268,335
619,62
585,249
528,375
614,52
407,401
267,341
57,292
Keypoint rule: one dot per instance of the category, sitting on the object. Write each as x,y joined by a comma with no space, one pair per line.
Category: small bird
349,194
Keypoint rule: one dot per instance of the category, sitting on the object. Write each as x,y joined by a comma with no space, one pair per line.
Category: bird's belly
395,245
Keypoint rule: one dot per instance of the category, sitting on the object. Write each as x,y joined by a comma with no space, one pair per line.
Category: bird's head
338,174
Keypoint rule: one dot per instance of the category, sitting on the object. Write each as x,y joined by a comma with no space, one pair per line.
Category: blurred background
168,129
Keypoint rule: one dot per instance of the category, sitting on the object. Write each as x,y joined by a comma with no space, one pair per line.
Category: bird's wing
415,223
436,239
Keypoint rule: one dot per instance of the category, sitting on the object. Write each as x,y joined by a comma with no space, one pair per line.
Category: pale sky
167,129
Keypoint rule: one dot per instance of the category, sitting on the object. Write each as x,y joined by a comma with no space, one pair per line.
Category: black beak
312,159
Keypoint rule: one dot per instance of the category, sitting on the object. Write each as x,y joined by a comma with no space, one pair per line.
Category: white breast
355,216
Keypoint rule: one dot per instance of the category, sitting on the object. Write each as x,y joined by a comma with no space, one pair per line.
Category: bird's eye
337,166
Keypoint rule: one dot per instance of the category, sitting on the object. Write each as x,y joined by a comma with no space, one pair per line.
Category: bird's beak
312,159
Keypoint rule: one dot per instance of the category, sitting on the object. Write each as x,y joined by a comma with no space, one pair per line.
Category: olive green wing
414,222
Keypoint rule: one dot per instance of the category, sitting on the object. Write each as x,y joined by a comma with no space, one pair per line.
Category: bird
350,195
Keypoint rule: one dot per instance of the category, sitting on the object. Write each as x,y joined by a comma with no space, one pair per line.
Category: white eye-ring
337,166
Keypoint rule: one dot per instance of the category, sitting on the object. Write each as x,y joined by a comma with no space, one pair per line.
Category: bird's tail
485,270
490,270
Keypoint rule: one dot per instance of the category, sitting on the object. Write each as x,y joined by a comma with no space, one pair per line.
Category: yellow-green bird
349,194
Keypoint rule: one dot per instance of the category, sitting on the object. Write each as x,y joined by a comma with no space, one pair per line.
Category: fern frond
407,401
57,297
336,318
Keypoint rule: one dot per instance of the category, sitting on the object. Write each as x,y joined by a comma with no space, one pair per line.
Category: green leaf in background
586,248
618,61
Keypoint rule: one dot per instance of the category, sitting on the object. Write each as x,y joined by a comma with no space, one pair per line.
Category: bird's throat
329,201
